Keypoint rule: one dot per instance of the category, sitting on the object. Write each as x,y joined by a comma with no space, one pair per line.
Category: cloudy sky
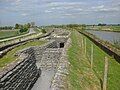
46,12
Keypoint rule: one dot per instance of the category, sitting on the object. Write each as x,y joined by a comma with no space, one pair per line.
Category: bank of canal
111,37
80,67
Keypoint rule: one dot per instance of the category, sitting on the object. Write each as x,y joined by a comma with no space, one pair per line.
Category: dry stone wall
60,78
25,72
23,75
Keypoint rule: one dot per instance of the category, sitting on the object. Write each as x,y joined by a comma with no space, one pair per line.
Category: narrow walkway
44,82
48,64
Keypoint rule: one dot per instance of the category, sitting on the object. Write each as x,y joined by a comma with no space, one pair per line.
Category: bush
22,30
43,31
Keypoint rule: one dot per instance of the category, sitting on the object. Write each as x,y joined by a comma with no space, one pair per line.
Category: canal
112,37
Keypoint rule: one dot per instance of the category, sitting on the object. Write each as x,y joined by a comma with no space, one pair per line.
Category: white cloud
66,3
79,9
98,7
24,14
68,14
106,8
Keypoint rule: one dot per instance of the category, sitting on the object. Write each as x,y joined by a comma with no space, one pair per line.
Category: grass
115,28
10,56
81,77
114,67
108,28
38,30
7,34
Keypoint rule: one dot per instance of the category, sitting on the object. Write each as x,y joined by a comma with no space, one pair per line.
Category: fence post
91,56
82,42
85,46
105,74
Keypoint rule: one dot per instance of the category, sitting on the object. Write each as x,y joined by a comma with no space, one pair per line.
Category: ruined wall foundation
23,73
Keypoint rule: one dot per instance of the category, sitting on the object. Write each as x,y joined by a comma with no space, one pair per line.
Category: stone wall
24,72
48,55
23,75
60,78
39,50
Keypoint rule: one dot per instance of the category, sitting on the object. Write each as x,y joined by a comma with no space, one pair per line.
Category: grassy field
7,34
11,33
81,77
9,57
115,28
106,28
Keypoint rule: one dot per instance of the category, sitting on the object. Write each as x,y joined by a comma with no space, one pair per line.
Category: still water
107,36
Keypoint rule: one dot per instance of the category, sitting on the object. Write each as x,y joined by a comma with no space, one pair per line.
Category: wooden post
91,56
82,42
85,46
105,74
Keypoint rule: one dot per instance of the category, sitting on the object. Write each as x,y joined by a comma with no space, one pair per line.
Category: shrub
43,31
23,29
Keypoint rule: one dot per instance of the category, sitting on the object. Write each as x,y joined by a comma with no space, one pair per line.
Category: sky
47,12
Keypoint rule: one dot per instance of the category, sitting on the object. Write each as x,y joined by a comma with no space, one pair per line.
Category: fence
94,55
106,46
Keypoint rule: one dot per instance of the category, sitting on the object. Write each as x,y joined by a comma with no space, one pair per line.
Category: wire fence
98,61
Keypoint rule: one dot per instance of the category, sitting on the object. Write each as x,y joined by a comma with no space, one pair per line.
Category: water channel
111,37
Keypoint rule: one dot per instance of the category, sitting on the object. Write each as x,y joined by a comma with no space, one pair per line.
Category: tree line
22,27
6,28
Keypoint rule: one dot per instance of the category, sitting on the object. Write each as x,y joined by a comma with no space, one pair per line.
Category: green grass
7,34
114,67
115,28
37,30
79,77
10,56
108,28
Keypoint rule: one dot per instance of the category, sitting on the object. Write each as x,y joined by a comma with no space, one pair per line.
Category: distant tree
23,29
6,28
101,24
28,25
17,26
32,24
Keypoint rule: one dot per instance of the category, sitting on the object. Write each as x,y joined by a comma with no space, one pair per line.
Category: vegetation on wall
10,56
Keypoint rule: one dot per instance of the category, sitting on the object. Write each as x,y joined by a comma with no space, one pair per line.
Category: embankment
106,46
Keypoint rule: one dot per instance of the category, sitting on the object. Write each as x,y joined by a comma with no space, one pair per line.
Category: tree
23,29
101,24
32,24
17,26
28,25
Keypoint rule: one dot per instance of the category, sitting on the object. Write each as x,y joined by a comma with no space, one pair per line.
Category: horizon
57,12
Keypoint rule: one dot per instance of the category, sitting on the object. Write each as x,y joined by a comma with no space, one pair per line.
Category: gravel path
44,81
